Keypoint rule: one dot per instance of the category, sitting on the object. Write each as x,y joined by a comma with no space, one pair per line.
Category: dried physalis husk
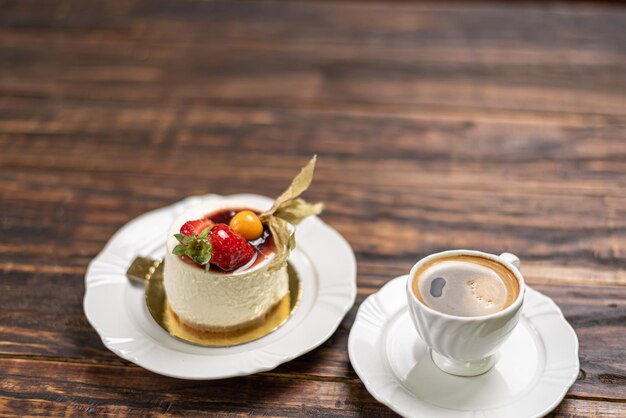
289,210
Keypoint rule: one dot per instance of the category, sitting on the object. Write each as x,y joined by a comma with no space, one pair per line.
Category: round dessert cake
226,262
239,285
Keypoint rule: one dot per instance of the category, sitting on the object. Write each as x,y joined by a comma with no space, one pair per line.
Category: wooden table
488,126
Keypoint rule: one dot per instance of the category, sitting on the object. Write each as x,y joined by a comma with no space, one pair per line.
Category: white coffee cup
465,345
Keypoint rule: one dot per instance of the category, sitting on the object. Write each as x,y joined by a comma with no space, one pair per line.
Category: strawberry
195,227
230,250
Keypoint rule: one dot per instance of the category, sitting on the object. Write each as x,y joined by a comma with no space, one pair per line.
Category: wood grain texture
480,125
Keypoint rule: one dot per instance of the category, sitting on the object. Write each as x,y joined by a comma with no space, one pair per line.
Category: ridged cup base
463,368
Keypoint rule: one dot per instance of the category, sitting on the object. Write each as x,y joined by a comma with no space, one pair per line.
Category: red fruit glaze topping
230,250
195,227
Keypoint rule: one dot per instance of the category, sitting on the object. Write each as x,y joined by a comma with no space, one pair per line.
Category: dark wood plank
427,175
41,321
68,388
490,126
581,408
78,389
516,58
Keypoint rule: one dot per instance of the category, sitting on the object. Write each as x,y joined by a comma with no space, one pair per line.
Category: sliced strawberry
230,250
195,227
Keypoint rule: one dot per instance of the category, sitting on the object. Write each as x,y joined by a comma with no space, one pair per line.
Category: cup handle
511,258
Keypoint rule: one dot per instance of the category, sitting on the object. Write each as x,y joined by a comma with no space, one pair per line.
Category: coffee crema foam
465,285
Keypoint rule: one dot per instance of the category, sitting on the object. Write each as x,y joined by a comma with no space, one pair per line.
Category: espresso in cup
465,285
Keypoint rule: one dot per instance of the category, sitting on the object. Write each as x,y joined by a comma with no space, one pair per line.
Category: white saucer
537,364
115,307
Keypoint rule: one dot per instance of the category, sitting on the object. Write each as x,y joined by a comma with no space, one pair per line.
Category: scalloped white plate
115,307
537,364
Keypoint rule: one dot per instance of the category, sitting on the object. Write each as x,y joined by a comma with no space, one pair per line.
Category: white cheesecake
219,301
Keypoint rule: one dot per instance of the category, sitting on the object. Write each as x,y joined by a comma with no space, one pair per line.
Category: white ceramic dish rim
373,389
334,302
